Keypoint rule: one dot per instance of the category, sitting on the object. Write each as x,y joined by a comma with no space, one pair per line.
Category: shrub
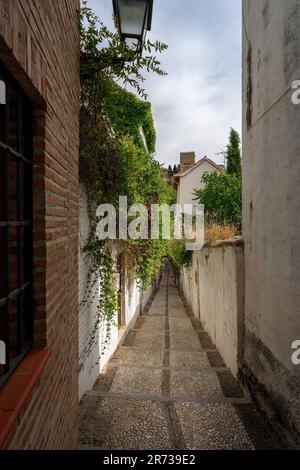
222,198
216,232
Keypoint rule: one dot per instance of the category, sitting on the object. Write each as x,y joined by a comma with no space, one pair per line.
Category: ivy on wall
114,160
128,115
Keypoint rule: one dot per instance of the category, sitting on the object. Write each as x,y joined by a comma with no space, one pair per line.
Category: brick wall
39,45
187,160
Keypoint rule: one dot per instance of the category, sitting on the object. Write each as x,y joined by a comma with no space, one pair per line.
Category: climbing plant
129,115
117,144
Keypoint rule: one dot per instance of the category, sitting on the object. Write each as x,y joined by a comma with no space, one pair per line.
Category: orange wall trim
16,392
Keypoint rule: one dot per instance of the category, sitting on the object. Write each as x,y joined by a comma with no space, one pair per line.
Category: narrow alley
167,387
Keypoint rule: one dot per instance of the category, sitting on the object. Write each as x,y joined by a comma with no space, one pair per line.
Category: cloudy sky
200,99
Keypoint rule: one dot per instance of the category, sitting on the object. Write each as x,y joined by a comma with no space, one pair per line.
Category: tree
175,169
170,169
234,165
222,198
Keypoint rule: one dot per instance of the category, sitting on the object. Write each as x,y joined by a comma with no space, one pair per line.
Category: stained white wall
271,179
214,288
271,201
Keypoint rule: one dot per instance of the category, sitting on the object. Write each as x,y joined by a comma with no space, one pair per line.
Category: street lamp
134,18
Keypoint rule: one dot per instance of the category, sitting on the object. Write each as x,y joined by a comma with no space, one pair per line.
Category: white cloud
200,99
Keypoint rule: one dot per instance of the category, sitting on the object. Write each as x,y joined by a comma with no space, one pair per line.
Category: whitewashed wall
271,204
91,362
214,288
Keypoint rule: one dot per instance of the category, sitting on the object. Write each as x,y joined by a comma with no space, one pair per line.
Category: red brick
49,71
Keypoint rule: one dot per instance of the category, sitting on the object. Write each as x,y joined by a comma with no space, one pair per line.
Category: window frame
23,155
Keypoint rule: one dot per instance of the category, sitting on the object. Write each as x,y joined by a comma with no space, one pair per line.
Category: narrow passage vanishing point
167,388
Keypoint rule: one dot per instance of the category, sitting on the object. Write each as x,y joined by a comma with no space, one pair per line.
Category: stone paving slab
195,384
137,381
150,322
190,360
156,311
185,341
149,340
150,328
181,331
179,325
178,312
212,427
146,358
123,424
176,305
160,304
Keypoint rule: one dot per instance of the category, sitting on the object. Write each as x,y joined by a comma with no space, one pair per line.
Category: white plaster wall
192,181
271,174
135,299
185,286
213,287
91,362
271,205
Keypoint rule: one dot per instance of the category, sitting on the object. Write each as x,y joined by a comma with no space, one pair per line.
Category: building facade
271,214
39,151
186,183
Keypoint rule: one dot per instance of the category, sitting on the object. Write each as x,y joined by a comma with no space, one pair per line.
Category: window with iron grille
16,319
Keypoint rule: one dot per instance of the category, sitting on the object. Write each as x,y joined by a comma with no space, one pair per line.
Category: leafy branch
113,158
104,53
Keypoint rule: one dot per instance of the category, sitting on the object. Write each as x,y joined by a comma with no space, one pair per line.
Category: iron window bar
16,224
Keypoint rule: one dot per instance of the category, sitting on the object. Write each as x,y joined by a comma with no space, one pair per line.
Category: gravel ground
149,398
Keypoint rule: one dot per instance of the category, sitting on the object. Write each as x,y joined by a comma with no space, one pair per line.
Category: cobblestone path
167,387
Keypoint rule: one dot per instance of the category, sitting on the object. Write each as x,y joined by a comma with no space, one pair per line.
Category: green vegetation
222,193
113,158
178,256
233,153
222,198
129,116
